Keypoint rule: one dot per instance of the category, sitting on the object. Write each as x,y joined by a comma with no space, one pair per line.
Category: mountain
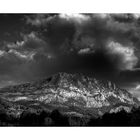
71,94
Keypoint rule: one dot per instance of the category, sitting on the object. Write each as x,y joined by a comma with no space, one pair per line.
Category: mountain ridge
73,94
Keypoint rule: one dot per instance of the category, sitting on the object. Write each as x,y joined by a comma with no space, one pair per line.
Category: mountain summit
71,94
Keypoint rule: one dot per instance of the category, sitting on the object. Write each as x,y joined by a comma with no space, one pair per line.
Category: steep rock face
71,94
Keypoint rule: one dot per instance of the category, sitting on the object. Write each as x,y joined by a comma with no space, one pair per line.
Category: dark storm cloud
100,43
84,33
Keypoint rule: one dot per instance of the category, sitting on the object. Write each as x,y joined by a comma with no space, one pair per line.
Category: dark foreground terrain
55,118
68,100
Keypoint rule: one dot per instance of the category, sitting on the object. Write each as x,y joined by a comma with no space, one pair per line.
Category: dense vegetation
55,118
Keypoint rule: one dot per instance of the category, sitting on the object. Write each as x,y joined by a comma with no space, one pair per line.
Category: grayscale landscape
69,69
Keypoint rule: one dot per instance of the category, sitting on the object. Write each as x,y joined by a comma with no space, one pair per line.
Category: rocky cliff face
71,94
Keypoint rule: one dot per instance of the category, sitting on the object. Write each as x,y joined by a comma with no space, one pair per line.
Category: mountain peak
69,93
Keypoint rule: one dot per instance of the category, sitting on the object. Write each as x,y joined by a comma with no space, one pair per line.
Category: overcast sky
106,46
